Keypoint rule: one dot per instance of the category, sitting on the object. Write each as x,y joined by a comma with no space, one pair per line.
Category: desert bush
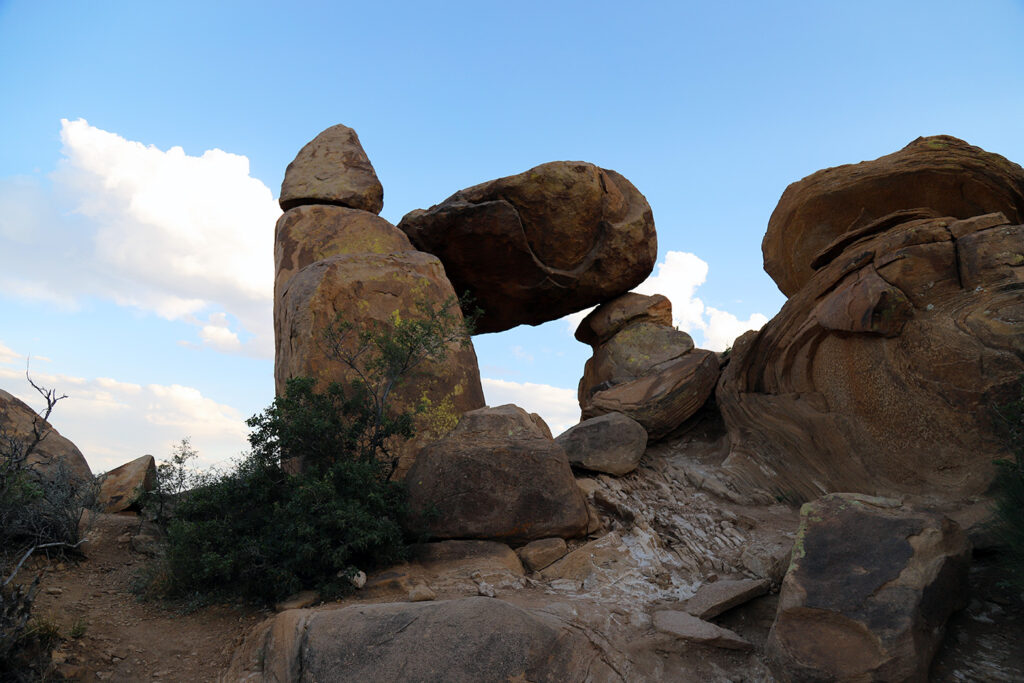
38,513
1008,517
312,502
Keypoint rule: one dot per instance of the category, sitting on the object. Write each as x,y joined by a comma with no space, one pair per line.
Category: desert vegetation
312,503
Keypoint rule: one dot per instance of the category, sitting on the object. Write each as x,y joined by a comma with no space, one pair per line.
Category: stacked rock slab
54,456
642,366
334,258
536,246
499,475
879,373
868,592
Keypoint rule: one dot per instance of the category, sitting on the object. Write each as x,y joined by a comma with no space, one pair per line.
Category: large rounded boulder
940,173
54,456
498,475
332,169
539,245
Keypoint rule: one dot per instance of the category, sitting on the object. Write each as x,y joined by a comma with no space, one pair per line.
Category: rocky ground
660,537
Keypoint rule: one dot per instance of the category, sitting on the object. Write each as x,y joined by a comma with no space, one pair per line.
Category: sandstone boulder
643,367
690,628
535,246
311,233
879,374
497,475
712,599
473,639
868,592
540,553
367,290
939,173
332,169
54,453
122,487
611,443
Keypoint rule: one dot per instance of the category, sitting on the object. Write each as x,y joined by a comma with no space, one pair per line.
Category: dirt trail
123,639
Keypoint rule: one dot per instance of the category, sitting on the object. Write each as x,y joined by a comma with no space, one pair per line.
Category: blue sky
142,146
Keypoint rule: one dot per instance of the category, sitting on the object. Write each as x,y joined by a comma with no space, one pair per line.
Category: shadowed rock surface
868,591
332,169
120,488
498,475
473,639
535,246
612,443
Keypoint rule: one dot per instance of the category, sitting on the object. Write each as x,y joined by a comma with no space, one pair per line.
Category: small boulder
868,592
687,627
711,599
611,443
538,554
603,322
121,488
535,246
600,562
332,169
498,475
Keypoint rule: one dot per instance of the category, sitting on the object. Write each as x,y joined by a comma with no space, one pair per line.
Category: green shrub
312,503
1008,522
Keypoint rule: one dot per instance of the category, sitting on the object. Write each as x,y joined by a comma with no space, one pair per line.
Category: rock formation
332,169
345,263
535,246
498,475
642,366
611,443
122,487
54,453
879,373
868,592
940,172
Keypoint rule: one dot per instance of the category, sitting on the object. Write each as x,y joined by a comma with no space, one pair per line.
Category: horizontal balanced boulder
536,246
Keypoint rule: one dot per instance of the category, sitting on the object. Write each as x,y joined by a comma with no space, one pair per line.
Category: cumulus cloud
113,422
558,407
189,238
678,277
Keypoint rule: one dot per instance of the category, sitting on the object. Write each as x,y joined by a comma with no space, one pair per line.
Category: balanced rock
54,456
497,475
611,443
368,290
468,640
879,374
939,173
535,246
332,169
868,592
643,367
122,487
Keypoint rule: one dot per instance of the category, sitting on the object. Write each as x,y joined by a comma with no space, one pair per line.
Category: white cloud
559,407
113,422
8,356
678,277
158,230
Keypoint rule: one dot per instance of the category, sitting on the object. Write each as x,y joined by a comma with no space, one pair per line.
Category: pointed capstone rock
332,169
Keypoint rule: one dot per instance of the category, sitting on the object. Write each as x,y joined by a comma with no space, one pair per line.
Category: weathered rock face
53,452
941,173
611,443
498,475
868,591
313,232
368,289
879,374
535,246
121,487
332,169
473,639
642,366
